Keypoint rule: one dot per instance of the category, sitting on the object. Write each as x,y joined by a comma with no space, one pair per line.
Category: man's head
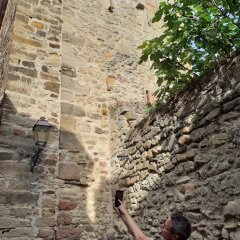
177,227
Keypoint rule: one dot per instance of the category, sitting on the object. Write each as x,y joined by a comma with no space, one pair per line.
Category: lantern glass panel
41,134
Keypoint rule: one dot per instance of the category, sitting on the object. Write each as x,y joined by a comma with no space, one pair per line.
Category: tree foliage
197,36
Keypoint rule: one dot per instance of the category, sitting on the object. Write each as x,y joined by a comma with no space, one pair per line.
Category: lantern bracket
35,157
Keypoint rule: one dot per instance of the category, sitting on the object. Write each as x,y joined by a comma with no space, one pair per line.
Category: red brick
66,205
18,132
67,232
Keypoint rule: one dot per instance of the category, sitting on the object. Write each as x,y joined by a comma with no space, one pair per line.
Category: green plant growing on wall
198,35
150,108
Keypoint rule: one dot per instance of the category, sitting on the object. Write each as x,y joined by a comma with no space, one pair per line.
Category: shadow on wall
19,193
56,201
80,211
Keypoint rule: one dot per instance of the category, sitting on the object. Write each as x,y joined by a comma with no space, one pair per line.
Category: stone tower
74,62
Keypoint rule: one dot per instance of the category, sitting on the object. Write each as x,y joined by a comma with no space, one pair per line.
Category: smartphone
118,195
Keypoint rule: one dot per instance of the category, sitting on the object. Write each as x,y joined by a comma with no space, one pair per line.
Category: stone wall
186,157
72,62
99,73
28,201
6,24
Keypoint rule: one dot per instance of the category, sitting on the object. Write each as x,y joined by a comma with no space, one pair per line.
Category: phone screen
118,195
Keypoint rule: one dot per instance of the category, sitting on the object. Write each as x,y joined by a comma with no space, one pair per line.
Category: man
177,227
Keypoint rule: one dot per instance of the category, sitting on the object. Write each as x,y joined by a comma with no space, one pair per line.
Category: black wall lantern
41,132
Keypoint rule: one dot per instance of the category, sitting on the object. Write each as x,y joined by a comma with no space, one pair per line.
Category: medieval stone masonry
75,62
186,157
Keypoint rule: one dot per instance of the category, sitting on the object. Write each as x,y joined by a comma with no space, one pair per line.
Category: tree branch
223,13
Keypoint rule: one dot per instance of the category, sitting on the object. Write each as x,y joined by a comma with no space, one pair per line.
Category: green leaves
197,36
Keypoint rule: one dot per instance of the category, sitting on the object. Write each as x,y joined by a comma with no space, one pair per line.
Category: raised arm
132,226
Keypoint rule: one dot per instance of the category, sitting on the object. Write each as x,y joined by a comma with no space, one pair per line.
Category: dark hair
181,226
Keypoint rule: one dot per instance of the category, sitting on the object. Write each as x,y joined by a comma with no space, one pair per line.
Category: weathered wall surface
75,62
99,73
186,157
72,62
28,201
5,34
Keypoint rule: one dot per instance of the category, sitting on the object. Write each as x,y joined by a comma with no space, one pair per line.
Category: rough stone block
52,86
235,234
18,197
45,222
184,139
229,106
132,180
21,212
68,123
213,114
7,155
48,203
46,232
26,41
28,64
198,134
82,127
95,116
54,45
22,18
67,96
64,219
4,211
26,71
8,222
13,77
74,110
49,77
18,88
38,25
21,232
218,139
168,167
41,33
232,208
70,141
68,70
182,180
14,170
69,171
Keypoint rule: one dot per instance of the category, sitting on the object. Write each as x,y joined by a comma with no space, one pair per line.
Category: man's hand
121,210
132,226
